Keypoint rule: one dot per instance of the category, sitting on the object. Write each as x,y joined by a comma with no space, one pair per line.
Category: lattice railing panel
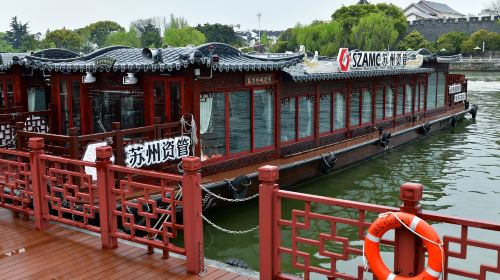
71,193
15,186
147,207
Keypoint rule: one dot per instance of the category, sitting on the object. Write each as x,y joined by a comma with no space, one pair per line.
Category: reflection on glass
36,99
400,100
339,112
239,121
389,103
263,119
367,106
175,101
441,89
2,104
355,98
431,92
10,94
287,124
63,100
379,103
409,100
212,125
75,92
306,116
159,100
325,113
422,96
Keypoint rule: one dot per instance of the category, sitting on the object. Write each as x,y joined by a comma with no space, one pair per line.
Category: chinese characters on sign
357,60
258,79
455,88
159,151
460,97
104,61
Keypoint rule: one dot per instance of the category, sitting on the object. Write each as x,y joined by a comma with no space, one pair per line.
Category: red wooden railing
13,120
144,203
409,255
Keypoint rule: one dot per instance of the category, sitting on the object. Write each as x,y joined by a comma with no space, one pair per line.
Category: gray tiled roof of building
440,7
131,60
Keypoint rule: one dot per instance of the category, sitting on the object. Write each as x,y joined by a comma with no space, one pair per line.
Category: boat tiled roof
131,60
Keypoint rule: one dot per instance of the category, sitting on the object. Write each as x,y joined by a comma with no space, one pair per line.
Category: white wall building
430,10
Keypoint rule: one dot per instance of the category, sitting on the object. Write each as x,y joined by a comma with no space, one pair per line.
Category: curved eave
304,77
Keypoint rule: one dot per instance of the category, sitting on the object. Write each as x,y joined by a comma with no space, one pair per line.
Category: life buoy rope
393,220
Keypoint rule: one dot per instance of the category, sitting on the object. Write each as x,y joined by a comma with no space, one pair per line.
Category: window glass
422,96
63,100
400,100
355,98
441,89
239,121
75,92
36,99
379,103
287,123
263,116
325,113
212,125
409,99
389,103
175,102
2,104
125,107
159,100
367,106
431,92
10,94
306,116
339,111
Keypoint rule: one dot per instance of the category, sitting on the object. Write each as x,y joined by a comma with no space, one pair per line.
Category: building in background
430,10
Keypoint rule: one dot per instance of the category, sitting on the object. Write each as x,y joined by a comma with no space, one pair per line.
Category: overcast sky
276,14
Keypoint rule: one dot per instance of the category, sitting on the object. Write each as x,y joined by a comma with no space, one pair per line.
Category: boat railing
12,120
117,202
322,233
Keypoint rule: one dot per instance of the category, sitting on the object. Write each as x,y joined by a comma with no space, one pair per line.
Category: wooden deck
65,253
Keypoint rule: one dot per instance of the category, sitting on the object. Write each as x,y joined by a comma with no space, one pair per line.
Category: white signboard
358,60
160,151
455,88
460,97
90,156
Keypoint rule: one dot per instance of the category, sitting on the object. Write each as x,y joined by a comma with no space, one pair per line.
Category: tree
124,38
374,32
19,38
396,14
264,40
495,7
149,32
64,38
98,31
179,34
491,41
414,41
451,42
4,45
219,33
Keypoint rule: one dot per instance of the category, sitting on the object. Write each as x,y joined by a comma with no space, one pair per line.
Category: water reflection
459,167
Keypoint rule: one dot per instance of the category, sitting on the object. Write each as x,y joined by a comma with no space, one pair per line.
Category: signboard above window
104,62
258,79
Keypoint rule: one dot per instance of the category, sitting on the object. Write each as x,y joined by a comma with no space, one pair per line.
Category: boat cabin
234,109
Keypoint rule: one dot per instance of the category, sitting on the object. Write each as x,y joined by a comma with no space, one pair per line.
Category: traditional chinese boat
310,115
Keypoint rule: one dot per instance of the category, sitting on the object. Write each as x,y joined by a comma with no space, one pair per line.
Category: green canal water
459,168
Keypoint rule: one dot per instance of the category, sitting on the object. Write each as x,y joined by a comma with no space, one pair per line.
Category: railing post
409,251
193,224
37,169
103,159
269,261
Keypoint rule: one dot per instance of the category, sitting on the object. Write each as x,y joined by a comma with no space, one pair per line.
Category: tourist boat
310,115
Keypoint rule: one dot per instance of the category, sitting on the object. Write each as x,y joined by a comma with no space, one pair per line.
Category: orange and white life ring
394,220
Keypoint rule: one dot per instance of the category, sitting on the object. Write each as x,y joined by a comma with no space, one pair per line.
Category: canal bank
459,168
487,64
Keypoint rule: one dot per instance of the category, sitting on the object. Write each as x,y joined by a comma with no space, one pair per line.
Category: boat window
75,97
175,102
287,123
159,100
63,101
212,125
421,96
325,112
263,118
389,102
400,100
2,104
306,116
441,89
339,111
36,99
367,106
379,103
239,121
409,99
431,91
10,94
355,98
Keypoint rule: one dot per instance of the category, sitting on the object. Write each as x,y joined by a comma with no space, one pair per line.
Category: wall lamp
89,78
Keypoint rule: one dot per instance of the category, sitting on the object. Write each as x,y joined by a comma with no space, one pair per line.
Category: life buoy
394,220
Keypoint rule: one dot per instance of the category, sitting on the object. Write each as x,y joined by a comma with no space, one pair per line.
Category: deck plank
66,253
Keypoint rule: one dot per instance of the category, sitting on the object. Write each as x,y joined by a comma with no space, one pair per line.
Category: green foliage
64,38
98,31
451,42
264,40
19,38
4,46
491,40
124,38
374,32
414,41
219,33
179,34
149,33
177,22
349,16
